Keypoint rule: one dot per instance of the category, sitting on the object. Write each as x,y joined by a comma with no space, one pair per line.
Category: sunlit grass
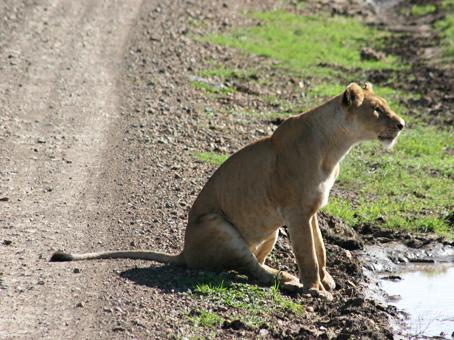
419,10
252,303
446,29
211,157
309,44
211,88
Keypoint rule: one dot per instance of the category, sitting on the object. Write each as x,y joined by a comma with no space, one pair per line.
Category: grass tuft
211,157
446,29
206,318
249,303
420,10
212,88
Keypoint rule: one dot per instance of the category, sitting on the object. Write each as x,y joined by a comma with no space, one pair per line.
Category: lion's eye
379,110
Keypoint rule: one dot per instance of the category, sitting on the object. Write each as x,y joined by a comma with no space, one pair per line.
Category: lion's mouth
386,138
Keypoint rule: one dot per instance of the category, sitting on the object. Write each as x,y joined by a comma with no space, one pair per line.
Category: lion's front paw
328,281
316,289
320,294
287,277
293,287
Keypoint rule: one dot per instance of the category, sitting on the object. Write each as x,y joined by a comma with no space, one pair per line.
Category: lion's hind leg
263,251
215,244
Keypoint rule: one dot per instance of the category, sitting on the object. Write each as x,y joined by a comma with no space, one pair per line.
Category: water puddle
426,293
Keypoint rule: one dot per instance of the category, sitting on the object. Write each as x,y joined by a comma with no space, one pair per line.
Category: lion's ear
368,87
353,95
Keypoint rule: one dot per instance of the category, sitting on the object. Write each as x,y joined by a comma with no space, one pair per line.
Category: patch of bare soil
429,77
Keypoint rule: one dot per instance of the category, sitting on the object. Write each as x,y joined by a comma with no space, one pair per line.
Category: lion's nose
400,125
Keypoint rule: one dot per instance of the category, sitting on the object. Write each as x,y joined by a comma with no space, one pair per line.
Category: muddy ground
99,125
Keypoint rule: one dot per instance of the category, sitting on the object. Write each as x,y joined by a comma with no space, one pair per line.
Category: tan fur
280,180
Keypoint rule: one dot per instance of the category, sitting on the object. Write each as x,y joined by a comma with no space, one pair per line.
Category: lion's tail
60,256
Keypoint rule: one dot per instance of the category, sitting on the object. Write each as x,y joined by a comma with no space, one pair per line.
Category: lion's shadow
171,279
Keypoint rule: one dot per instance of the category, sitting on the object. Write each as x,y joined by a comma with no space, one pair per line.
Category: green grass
249,303
206,318
303,43
211,157
420,10
284,302
210,88
446,30
223,73
411,188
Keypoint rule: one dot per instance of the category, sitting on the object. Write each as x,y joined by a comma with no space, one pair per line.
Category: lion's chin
388,142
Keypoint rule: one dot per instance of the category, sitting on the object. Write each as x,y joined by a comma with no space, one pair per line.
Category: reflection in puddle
426,293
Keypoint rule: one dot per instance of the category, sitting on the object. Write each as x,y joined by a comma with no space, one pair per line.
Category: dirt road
61,65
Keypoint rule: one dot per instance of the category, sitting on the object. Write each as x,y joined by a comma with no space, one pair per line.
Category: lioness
280,180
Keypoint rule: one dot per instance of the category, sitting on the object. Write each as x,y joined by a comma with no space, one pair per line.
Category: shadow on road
171,279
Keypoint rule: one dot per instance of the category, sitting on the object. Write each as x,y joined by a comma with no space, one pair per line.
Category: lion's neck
331,129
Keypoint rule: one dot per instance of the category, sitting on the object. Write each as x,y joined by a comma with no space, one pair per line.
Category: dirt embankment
98,127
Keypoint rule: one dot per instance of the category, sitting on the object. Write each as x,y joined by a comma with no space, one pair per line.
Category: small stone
118,329
4,199
138,323
263,332
79,305
41,141
76,270
348,254
7,242
392,278
309,309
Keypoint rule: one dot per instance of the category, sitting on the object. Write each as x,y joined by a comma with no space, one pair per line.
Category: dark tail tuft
60,256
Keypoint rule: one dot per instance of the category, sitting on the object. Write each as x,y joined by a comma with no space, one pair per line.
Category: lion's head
371,115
